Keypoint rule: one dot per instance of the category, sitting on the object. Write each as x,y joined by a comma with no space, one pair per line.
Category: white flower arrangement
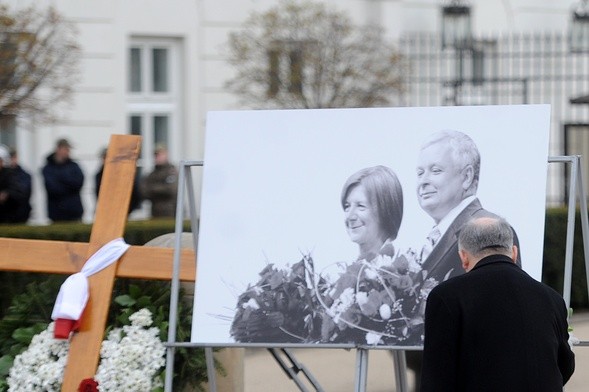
40,367
131,358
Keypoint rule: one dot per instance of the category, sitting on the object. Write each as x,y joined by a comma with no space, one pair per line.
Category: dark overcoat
15,195
63,182
161,188
495,329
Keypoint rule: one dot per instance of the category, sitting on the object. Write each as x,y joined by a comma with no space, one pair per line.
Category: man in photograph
447,180
448,168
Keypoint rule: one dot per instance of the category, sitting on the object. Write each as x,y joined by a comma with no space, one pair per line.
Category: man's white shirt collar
445,223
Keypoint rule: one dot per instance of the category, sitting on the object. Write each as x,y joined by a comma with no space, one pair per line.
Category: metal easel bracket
292,367
576,189
400,370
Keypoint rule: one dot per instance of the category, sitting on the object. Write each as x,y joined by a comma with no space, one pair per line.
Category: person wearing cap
24,179
63,181
136,198
11,194
161,186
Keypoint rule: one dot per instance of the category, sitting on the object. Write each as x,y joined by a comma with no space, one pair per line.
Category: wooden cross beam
68,257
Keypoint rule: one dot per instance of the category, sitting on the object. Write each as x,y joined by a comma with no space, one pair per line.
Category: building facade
155,68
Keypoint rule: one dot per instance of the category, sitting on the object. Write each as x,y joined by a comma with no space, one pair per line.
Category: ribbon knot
73,294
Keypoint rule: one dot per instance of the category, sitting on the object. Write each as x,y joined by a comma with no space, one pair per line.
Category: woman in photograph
284,307
372,200
374,301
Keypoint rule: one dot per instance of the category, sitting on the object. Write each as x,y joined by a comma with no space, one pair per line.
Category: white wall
105,27
98,107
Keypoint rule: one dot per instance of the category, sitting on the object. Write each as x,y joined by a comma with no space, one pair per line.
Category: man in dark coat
161,186
136,198
25,182
11,193
448,169
63,182
494,328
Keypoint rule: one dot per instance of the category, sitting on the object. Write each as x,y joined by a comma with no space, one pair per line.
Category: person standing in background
63,181
11,194
136,198
161,186
24,180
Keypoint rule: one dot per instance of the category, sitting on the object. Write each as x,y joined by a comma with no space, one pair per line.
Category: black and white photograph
331,226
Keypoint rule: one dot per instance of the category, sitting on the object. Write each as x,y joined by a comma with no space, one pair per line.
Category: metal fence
507,70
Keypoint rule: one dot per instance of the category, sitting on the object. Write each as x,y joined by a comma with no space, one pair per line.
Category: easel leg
294,368
575,185
584,218
568,259
361,370
211,369
400,370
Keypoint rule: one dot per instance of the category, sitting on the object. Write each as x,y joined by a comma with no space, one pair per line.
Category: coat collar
493,259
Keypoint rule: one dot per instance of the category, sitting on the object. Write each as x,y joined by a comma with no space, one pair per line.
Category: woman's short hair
384,191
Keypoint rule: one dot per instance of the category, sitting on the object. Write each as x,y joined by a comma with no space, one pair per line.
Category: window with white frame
153,95
8,130
285,67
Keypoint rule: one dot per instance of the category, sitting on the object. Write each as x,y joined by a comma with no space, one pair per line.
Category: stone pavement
335,369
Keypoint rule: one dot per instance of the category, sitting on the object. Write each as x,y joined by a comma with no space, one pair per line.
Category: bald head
483,237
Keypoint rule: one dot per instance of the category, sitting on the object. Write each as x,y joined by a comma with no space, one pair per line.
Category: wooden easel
68,257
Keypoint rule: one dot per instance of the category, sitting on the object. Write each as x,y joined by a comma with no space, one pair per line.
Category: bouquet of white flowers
131,360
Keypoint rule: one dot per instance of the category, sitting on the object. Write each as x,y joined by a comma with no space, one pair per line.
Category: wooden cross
68,258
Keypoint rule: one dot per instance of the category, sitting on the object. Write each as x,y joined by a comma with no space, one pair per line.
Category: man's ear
468,177
514,252
464,259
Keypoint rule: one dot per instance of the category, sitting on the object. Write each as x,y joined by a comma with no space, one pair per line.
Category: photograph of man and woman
331,226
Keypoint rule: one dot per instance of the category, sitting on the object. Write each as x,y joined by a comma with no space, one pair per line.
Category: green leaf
123,318
125,300
5,365
134,291
24,335
143,302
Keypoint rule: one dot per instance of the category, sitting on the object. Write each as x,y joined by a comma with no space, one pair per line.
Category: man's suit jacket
444,262
495,329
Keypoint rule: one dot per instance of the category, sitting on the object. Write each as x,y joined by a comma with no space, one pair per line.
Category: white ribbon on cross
73,294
